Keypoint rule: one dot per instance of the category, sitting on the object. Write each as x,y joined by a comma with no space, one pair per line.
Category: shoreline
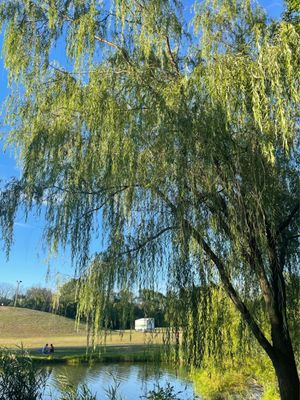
234,384
103,353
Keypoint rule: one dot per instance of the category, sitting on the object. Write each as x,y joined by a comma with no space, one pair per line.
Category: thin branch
115,46
108,42
256,259
284,224
102,204
94,193
293,237
171,55
148,240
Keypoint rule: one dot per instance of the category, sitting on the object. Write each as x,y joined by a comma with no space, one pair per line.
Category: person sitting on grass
46,349
51,348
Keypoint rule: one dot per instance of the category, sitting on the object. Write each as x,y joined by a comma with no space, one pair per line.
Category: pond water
134,380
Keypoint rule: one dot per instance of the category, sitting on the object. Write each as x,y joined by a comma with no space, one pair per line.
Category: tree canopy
293,13
177,140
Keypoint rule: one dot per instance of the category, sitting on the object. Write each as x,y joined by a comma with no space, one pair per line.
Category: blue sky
28,260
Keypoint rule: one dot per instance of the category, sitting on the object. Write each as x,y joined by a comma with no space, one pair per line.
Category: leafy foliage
293,13
7,293
163,393
64,299
181,148
20,379
38,298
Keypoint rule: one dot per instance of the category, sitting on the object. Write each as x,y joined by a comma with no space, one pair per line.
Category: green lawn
33,329
22,322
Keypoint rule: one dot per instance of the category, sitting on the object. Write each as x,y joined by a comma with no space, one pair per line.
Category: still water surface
135,380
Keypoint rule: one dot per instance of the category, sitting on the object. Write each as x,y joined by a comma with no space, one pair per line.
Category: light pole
17,293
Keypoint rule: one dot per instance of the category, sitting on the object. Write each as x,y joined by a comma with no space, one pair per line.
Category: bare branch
284,224
171,55
148,240
108,42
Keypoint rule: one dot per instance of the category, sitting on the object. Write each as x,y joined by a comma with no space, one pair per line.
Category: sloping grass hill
33,329
23,323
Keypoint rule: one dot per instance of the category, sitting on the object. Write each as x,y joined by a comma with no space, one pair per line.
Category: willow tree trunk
287,376
282,356
285,366
281,350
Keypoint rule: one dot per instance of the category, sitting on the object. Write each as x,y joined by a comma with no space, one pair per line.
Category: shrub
20,379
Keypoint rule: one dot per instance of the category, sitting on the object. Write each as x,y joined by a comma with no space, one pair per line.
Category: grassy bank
126,338
73,355
33,329
22,323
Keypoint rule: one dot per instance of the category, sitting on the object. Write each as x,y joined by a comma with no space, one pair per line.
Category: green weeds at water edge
20,378
72,393
23,379
238,382
158,393
164,393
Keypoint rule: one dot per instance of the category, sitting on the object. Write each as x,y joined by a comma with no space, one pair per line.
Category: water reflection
135,379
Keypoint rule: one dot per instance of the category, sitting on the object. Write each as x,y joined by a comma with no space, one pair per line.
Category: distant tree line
35,297
123,307
7,292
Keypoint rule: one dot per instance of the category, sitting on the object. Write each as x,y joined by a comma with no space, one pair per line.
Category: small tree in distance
38,298
7,292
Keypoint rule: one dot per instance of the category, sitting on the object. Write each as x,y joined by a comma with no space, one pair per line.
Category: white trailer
144,325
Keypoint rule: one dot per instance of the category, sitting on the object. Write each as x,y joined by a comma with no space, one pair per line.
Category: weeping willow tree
176,140
293,13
